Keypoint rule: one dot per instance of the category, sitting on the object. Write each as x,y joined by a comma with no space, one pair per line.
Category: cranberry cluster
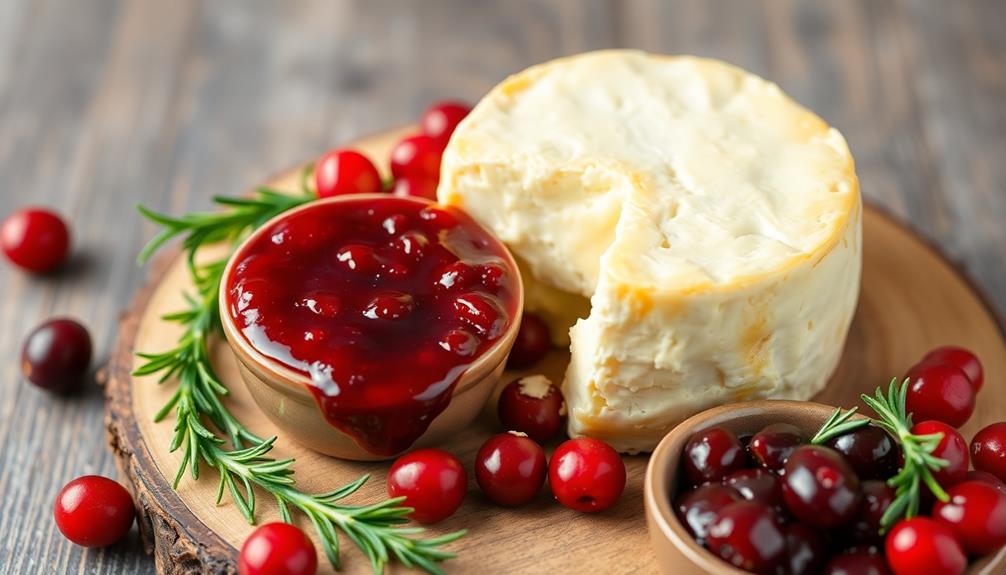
773,503
584,474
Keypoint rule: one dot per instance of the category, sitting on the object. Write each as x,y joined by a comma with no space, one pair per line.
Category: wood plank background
109,103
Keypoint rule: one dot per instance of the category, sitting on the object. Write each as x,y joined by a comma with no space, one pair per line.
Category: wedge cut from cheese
713,223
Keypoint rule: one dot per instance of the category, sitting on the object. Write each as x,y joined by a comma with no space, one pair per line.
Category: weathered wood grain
108,103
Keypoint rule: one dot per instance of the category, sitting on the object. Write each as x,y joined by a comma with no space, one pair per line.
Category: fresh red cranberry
759,485
56,355
440,119
856,563
975,475
773,445
341,172
532,405
532,343
416,187
712,454
952,448
922,545
976,513
697,509
870,452
278,549
988,450
586,474
416,156
960,358
35,239
806,548
746,535
877,497
432,481
510,469
820,488
93,511
940,392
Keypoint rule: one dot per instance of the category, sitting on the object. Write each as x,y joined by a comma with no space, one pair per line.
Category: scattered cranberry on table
340,172
820,488
747,535
278,549
510,469
586,474
94,511
960,358
432,481
772,446
988,450
35,239
532,343
532,405
440,119
56,355
952,448
922,545
712,454
941,392
976,513
417,156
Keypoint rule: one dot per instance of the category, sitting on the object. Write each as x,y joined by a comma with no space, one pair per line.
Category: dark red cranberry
820,488
746,535
416,187
806,548
56,355
278,549
389,305
35,239
432,481
532,343
857,563
940,392
586,474
922,545
960,358
988,450
440,119
976,513
532,405
358,258
459,342
877,497
510,469
697,508
93,511
341,172
416,156
479,311
773,445
975,475
759,485
712,454
870,451
951,448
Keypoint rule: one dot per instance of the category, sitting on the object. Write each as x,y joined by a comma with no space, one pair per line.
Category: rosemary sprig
838,424
209,434
917,450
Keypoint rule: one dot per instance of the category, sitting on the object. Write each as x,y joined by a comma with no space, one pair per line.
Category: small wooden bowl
675,550
284,394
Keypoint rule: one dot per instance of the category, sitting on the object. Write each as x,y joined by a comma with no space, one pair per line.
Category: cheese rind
714,224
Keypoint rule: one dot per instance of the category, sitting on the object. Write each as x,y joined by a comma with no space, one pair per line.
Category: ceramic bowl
284,394
675,550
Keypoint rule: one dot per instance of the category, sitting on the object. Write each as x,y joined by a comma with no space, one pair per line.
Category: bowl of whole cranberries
800,488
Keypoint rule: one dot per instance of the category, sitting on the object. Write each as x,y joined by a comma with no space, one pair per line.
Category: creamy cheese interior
713,223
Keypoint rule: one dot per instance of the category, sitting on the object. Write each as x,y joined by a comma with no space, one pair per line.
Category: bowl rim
286,379
664,465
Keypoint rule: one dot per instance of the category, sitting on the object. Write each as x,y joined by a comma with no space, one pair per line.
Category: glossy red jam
382,303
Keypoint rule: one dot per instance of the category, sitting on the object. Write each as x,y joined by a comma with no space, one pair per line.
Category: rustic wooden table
105,104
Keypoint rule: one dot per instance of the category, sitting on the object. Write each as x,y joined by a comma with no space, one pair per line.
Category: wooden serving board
912,300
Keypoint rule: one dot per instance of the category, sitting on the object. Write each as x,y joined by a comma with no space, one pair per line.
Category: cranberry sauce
382,303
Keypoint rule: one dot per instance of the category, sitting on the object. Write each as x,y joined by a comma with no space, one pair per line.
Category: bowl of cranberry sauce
367,325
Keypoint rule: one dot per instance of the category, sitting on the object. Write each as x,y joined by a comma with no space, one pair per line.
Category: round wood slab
912,300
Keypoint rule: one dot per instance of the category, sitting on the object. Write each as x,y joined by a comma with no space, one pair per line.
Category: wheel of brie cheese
701,229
